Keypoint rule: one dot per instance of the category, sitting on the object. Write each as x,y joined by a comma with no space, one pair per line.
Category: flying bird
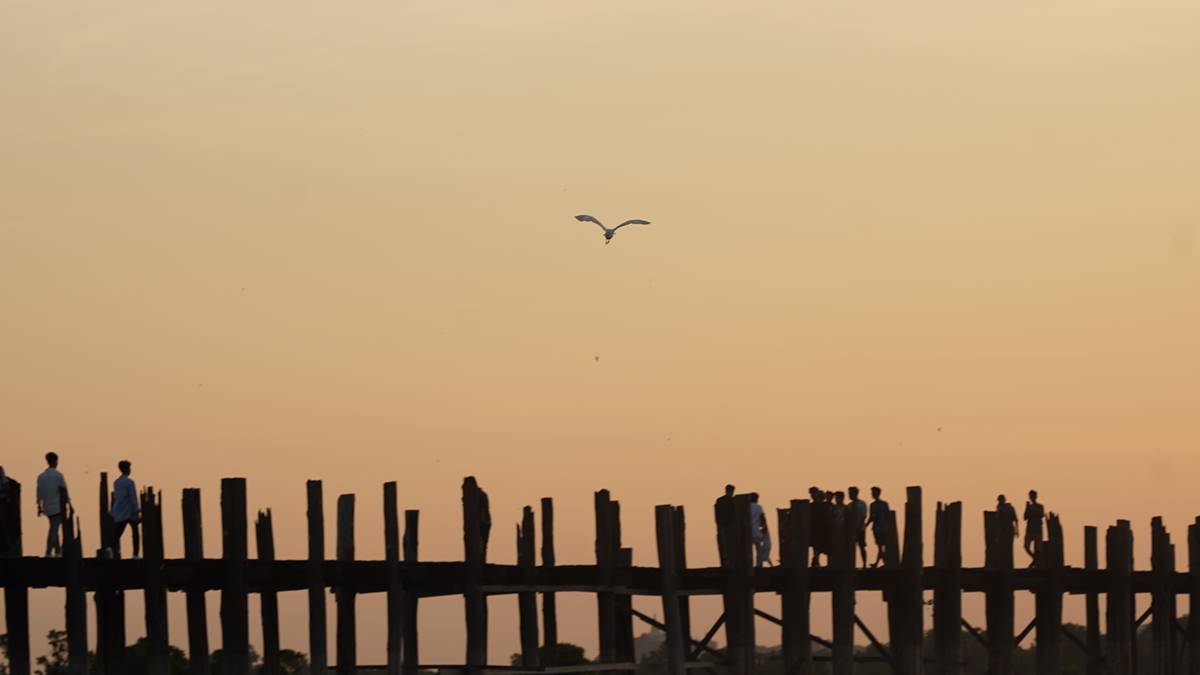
608,233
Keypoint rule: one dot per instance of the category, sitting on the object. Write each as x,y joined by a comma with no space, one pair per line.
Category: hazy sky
290,241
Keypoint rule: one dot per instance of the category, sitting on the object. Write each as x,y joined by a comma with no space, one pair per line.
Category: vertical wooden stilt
664,528
998,533
16,596
1048,601
235,606
549,601
794,541
947,597
77,656
157,634
739,588
606,608
317,626
624,618
1091,563
527,601
395,590
197,611
1163,600
680,550
1120,598
473,597
347,627
264,535
910,654
1193,625
842,565
110,602
411,656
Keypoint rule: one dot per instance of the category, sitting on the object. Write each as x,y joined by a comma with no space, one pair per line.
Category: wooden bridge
904,579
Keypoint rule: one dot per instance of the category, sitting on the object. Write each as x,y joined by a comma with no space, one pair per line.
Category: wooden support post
947,596
347,629
1120,630
606,561
474,506
549,601
157,635
197,612
1049,602
1163,600
1091,563
264,535
527,600
794,541
1193,627
317,627
110,602
680,550
842,564
410,657
624,619
77,656
998,543
16,596
739,589
395,590
909,648
664,528
235,606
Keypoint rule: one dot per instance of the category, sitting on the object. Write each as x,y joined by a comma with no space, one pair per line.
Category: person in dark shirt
1035,513
723,509
858,510
879,522
1008,515
819,526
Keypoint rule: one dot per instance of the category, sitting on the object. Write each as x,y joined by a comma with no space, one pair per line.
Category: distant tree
4,654
54,663
292,662
566,654
137,659
217,661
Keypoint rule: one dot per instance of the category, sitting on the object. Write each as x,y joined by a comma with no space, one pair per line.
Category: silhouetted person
126,509
880,523
760,536
858,511
723,511
729,490
1035,513
1008,515
52,502
820,529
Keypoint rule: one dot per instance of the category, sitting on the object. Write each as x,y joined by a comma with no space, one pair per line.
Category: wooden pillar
264,535
998,543
1120,598
527,600
317,626
411,656
1193,627
624,619
549,601
157,635
110,601
1048,601
347,628
473,598
16,597
841,565
680,550
910,656
77,656
1163,602
395,589
197,612
794,541
947,596
739,590
235,607
1091,564
664,530
606,608
891,586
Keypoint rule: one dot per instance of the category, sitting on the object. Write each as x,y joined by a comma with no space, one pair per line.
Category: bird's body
609,232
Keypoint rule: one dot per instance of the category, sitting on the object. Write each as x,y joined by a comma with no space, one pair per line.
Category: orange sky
287,242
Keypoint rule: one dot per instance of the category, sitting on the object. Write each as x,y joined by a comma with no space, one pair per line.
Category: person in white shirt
760,536
126,509
52,502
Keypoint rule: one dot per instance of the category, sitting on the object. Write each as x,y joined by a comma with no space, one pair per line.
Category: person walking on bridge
880,523
52,500
1008,515
858,511
1035,513
126,510
760,534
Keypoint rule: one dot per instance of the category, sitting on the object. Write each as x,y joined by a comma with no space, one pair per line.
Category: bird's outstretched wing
631,222
585,218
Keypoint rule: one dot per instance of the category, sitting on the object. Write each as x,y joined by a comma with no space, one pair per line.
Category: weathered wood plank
395,592
549,601
947,595
347,624
998,554
76,610
910,652
527,601
197,611
842,600
664,527
264,535
680,550
1119,563
317,627
606,608
235,606
624,603
474,553
157,631
794,542
411,655
1091,562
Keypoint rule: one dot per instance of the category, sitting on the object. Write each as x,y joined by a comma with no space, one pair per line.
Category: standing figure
1035,513
879,522
126,509
820,529
760,535
723,510
52,502
1008,515
858,511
